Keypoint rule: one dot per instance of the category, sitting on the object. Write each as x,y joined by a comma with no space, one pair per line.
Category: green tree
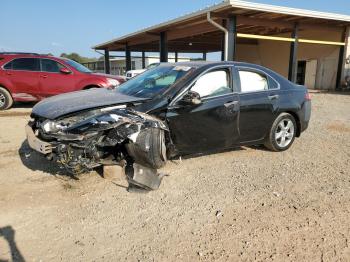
78,58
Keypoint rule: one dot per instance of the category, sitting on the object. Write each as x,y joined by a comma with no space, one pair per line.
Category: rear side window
213,84
25,64
252,81
48,65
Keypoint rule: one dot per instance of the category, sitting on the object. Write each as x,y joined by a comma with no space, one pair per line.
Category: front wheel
149,148
282,133
6,100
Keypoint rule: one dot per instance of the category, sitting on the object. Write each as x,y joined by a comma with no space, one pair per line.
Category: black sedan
170,110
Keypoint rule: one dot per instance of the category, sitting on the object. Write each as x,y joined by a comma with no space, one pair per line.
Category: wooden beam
275,38
242,20
203,28
309,41
290,39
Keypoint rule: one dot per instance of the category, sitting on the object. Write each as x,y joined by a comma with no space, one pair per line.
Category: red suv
32,77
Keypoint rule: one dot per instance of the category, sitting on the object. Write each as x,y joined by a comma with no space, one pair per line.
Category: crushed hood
60,105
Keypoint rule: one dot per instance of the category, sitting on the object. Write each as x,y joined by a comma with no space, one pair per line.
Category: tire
282,133
6,100
149,149
89,87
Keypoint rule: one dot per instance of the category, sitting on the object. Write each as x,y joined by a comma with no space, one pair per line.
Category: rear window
24,64
252,81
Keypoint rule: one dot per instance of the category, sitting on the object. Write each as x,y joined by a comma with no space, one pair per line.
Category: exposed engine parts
85,141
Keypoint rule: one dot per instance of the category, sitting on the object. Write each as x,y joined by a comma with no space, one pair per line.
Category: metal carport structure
224,26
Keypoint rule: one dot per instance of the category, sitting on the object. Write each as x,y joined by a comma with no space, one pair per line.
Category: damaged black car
168,111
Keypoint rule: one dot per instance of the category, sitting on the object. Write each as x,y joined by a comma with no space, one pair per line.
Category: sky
49,26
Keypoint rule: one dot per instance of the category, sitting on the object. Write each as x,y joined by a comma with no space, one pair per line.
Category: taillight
307,96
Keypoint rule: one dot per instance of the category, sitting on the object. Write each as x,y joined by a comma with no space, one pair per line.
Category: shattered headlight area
121,136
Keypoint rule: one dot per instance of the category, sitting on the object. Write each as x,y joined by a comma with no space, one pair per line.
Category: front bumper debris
37,144
142,176
107,136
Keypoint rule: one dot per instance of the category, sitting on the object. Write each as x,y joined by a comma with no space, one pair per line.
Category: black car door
259,98
212,124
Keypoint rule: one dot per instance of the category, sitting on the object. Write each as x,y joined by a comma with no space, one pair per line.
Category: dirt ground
245,204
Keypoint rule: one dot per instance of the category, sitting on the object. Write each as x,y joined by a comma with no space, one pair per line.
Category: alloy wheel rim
284,133
2,100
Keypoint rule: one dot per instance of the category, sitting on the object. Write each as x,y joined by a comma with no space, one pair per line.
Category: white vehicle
133,73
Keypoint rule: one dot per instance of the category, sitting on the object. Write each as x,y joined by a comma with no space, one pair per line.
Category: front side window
25,64
213,84
77,66
48,65
252,81
8,65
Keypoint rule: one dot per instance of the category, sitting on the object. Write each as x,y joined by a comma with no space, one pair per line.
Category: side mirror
64,70
191,98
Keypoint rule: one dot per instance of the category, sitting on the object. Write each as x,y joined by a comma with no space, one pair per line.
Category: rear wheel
282,133
6,100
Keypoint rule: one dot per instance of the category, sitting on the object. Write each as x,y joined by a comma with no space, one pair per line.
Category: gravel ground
246,204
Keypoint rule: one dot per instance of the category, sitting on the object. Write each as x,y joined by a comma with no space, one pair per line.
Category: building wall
275,55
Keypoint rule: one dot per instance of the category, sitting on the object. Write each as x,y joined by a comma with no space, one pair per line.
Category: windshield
153,81
150,66
77,66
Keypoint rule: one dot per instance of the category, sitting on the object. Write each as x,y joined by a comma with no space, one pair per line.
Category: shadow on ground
211,152
23,104
8,233
37,162
330,92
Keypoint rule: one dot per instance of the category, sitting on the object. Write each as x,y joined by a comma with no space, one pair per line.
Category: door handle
232,103
43,76
272,97
8,73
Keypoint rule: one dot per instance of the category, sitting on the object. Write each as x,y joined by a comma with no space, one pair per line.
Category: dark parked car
32,77
170,110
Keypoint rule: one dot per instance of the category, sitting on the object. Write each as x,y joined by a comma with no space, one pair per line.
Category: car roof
209,64
26,55
198,64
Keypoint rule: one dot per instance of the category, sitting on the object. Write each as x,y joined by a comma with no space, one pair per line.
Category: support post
127,58
223,42
341,61
293,57
107,63
232,36
143,59
163,47
176,57
204,56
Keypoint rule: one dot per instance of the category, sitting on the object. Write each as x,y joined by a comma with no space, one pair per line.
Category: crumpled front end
92,138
